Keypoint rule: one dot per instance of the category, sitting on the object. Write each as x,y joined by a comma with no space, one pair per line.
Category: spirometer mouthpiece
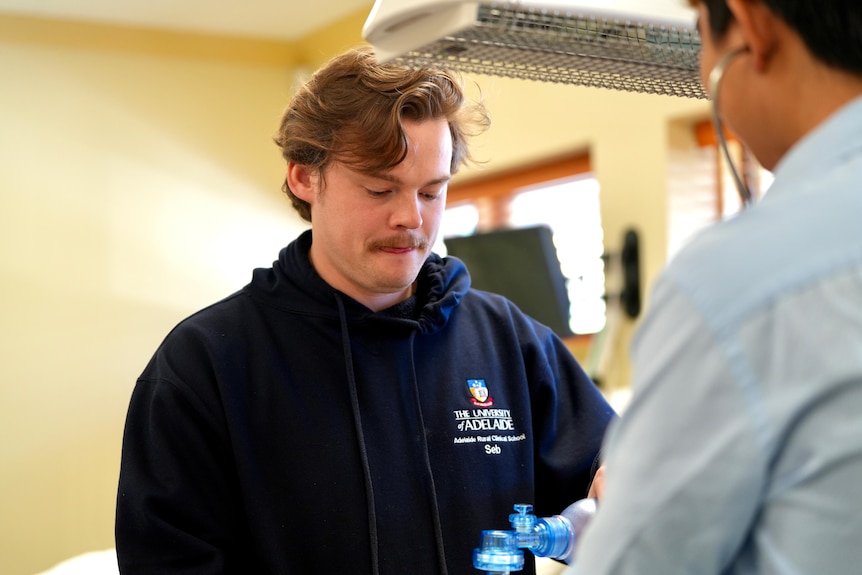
554,537
499,553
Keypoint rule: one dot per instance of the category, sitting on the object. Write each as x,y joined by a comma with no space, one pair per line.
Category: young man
748,368
356,408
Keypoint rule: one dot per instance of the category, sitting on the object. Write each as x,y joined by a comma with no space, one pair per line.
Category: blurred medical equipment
500,552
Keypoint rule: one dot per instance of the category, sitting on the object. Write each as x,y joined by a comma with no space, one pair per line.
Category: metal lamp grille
570,49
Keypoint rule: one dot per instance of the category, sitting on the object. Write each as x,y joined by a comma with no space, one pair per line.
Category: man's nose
408,212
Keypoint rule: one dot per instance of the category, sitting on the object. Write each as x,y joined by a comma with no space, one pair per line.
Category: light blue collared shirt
741,451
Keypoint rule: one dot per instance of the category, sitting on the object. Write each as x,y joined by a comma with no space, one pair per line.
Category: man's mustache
400,242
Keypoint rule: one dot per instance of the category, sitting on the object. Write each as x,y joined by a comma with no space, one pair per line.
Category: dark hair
352,110
832,29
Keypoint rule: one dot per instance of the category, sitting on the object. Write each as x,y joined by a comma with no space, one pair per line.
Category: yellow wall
140,183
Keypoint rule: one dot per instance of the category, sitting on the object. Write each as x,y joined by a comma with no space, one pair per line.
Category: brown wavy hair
352,111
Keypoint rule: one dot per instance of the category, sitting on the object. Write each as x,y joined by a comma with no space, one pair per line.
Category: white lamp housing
647,46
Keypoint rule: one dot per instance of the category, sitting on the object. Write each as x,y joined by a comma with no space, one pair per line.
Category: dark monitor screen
522,265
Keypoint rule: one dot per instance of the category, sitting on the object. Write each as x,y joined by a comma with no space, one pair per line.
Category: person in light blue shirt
741,450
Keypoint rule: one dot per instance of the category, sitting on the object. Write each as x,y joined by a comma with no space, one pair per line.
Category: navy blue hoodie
289,429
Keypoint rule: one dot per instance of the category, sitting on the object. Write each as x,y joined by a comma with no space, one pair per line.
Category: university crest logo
479,391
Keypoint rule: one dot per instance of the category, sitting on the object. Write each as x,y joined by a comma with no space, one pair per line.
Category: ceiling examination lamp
646,46
649,46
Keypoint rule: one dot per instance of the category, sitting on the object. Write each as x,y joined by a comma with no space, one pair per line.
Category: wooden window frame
499,189
706,137
504,184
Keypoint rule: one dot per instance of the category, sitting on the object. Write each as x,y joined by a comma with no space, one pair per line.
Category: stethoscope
714,83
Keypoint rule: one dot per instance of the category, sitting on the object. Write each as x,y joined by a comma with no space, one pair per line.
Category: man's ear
303,181
759,29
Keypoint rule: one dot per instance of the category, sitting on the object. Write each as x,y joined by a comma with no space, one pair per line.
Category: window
571,208
701,188
560,194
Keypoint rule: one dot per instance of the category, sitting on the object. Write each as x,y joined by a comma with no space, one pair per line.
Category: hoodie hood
292,284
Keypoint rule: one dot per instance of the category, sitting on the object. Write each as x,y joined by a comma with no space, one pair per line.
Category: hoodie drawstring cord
363,451
438,528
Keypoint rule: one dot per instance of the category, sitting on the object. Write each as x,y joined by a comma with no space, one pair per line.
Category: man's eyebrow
395,180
